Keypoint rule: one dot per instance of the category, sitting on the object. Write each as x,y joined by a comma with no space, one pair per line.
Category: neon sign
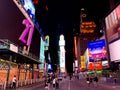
28,30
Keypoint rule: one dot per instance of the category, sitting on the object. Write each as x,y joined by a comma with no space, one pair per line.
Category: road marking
69,85
113,87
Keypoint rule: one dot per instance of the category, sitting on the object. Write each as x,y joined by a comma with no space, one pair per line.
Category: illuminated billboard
112,22
115,51
49,67
86,57
95,66
47,38
83,62
62,53
97,50
15,27
42,55
29,7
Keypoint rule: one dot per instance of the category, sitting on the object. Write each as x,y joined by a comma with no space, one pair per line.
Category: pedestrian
54,82
88,80
95,80
70,76
115,80
57,83
48,82
14,80
91,80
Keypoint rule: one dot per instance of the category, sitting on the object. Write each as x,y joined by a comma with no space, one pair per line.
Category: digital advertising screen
86,57
105,63
49,67
29,7
115,51
42,55
97,50
112,22
83,62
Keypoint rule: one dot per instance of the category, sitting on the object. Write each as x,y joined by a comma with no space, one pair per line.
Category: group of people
92,80
52,80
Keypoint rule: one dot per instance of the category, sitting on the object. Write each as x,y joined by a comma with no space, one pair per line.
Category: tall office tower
88,32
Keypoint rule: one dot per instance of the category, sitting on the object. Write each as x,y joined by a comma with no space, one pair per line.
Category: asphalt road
76,84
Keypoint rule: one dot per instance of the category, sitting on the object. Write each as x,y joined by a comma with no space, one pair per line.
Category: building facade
19,43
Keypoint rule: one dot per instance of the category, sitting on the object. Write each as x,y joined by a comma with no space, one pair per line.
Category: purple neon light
30,35
29,28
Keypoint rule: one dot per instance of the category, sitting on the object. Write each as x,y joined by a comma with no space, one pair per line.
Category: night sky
62,17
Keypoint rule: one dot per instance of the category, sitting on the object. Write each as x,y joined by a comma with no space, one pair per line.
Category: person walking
57,83
48,82
14,80
91,80
70,76
95,80
88,80
54,82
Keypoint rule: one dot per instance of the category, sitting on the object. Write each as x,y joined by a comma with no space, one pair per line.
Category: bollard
4,86
25,82
21,83
31,81
17,84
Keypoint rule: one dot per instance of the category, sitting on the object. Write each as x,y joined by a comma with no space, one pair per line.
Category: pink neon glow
30,35
29,28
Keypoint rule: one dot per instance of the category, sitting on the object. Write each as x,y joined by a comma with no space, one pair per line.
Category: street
76,84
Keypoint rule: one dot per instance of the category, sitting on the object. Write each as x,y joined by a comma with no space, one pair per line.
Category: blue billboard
97,50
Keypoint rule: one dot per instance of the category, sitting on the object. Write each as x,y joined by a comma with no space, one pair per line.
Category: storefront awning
17,57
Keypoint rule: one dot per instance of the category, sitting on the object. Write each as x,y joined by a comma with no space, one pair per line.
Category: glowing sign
46,42
112,22
62,53
29,29
61,41
83,62
29,7
97,50
49,66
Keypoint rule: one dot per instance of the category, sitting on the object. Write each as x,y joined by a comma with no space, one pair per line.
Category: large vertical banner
86,57
46,42
42,56
62,53
83,62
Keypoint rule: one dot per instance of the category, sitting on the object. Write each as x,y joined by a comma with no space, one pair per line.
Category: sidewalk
29,87
33,86
104,83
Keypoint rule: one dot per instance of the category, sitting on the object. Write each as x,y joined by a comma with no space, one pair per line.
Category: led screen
115,51
42,56
86,56
29,7
49,66
112,22
42,45
104,63
97,50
